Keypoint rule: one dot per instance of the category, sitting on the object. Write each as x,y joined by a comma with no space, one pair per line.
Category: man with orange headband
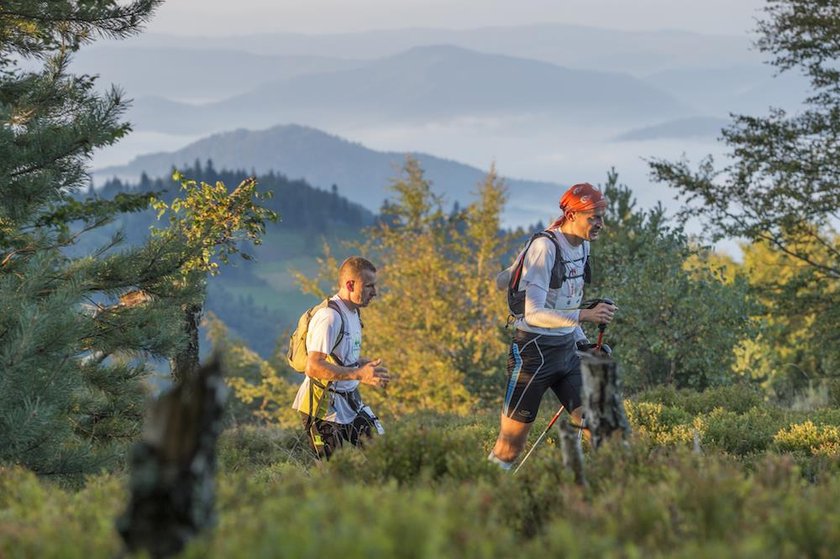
543,354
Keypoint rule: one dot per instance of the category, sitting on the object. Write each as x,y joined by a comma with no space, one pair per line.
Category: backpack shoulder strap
516,275
553,238
587,268
334,306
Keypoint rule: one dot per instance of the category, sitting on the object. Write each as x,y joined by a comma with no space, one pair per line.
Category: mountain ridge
429,82
549,41
323,159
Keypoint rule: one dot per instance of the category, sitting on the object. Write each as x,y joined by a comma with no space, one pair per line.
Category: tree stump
174,465
603,405
571,449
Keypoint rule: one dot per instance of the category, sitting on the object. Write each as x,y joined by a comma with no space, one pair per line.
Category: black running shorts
537,362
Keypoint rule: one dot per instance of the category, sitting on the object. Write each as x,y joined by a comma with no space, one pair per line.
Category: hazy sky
239,17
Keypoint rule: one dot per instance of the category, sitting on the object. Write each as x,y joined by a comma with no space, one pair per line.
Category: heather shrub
833,387
251,446
803,523
745,433
663,424
42,519
700,506
422,447
809,438
543,489
326,517
736,398
825,416
642,459
756,488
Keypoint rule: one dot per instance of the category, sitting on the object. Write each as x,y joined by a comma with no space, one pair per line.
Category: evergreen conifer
71,327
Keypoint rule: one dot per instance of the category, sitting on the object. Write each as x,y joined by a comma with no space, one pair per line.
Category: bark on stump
571,449
184,365
603,405
174,465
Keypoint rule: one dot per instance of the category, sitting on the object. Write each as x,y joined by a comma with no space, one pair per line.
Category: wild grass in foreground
765,484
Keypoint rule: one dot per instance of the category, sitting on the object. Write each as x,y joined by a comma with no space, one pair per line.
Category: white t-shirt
536,274
321,335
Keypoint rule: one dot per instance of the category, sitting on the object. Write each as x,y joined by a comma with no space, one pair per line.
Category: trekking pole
598,345
541,437
603,326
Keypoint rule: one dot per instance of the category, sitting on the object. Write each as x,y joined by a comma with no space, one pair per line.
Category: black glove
590,348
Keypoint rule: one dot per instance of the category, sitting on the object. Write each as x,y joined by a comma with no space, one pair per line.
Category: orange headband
579,198
582,197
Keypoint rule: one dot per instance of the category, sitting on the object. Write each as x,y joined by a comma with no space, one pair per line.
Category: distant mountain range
548,77
362,175
573,46
432,82
549,99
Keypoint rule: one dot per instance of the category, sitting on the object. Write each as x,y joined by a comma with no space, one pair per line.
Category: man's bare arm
370,372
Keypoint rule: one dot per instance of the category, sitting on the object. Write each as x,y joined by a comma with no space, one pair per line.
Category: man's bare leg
511,441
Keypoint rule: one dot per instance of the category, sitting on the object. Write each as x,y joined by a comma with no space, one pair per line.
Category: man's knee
513,440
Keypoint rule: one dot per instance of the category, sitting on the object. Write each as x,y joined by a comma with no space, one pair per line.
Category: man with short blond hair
328,398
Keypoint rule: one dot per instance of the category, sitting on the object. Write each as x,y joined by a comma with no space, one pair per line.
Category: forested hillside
323,160
257,300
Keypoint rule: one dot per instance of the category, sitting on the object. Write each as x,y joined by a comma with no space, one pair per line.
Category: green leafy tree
781,189
783,183
76,331
793,351
212,224
437,320
413,318
479,249
680,318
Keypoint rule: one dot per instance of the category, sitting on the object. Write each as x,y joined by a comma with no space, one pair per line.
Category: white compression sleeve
540,317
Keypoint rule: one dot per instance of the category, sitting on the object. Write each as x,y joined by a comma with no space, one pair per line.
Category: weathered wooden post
571,449
603,405
173,466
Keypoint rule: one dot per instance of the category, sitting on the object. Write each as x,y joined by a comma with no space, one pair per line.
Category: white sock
499,462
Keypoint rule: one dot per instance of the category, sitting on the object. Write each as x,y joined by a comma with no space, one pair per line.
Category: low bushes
39,518
737,398
764,483
733,419
809,438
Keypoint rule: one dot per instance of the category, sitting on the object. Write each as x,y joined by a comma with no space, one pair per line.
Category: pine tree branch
70,150
117,21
